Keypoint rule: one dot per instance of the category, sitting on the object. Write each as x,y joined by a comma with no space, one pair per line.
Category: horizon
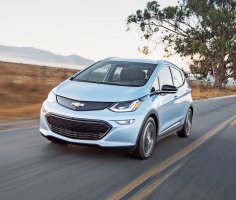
77,28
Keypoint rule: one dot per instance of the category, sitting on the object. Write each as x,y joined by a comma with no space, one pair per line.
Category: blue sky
89,28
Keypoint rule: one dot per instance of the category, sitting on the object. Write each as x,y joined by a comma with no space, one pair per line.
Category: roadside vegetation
205,91
201,31
23,88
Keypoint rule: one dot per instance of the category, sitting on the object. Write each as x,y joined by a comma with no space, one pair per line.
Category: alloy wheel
148,140
188,123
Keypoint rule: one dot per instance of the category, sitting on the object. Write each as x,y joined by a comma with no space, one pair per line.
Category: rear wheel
146,140
185,132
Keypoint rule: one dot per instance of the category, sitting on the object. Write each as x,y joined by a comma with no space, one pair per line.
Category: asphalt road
199,167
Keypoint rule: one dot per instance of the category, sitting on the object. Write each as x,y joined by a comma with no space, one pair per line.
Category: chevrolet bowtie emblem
77,104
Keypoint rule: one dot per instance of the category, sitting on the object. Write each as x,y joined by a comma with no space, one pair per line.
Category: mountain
24,54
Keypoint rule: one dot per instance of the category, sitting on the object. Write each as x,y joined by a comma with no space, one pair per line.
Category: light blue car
120,103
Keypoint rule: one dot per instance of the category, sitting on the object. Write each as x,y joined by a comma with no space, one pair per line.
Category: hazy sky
93,29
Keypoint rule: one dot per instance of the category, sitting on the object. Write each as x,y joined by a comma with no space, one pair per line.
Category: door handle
176,97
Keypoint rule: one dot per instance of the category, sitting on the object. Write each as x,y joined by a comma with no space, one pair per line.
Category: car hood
84,91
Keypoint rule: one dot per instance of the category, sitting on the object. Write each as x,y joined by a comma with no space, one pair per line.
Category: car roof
158,62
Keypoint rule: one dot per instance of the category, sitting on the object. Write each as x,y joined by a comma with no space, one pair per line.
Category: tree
202,30
185,73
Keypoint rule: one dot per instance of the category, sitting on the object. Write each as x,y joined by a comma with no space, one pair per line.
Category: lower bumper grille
77,128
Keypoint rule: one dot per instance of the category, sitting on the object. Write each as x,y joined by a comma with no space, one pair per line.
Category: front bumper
119,136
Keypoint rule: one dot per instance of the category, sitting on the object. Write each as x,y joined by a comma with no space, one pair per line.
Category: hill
30,54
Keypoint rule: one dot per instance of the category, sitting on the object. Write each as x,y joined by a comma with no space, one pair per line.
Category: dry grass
22,101
23,88
202,91
32,74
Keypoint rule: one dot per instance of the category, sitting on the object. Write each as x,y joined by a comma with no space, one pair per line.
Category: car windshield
117,73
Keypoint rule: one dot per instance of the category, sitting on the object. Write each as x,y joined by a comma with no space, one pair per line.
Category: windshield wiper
107,83
87,81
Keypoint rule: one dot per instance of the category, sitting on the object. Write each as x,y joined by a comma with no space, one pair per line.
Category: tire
54,140
146,141
185,132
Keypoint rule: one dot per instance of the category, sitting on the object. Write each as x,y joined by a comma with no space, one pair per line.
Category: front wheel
185,132
146,140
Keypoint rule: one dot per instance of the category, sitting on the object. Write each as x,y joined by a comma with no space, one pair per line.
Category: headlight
51,97
126,106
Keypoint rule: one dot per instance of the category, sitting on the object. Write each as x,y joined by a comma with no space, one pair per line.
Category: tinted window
165,77
177,77
183,77
117,73
99,73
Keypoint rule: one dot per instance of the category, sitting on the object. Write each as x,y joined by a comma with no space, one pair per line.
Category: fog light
125,122
43,109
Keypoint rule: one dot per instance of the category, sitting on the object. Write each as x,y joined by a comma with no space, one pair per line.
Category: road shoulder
19,124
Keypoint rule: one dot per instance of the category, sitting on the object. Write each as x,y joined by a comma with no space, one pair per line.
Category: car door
182,94
168,108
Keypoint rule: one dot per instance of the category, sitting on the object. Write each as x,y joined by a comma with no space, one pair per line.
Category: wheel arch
190,107
154,115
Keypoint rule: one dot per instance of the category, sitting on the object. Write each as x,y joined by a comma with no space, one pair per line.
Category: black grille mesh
77,128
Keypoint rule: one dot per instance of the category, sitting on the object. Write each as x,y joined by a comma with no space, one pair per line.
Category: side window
165,77
177,77
183,77
155,85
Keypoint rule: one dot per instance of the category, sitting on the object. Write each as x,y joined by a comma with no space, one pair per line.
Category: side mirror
166,89
169,89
